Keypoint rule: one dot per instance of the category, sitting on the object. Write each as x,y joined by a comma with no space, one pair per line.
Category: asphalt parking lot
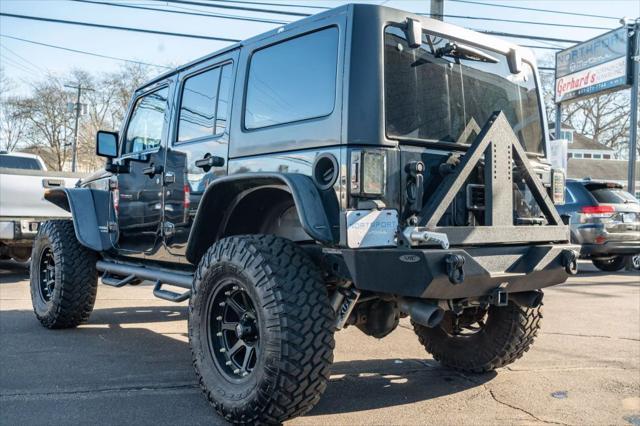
131,365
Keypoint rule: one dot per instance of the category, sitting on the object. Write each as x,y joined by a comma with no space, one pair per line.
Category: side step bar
137,273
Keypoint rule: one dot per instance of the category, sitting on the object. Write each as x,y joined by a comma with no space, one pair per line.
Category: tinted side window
24,163
293,80
198,108
144,131
224,97
205,103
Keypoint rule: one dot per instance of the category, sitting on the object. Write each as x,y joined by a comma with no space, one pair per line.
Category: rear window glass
12,162
292,81
613,196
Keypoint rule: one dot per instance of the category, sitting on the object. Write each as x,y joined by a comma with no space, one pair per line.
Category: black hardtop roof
349,9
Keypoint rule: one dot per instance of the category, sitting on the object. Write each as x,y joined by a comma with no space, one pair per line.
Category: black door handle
152,170
210,161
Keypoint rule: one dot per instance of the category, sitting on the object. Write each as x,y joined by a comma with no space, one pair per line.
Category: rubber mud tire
74,275
508,333
610,265
294,322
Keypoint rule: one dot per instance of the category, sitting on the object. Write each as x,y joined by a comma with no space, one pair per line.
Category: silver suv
605,221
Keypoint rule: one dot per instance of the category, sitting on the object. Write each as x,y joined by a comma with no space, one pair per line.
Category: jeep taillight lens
557,186
367,173
186,203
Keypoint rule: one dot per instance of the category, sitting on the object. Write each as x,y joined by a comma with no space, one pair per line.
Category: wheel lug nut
219,334
223,350
245,374
228,363
236,371
222,303
219,318
227,293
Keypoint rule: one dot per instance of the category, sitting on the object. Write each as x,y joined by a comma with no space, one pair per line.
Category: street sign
593,67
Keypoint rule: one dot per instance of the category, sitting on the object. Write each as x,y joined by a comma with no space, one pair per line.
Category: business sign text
595,66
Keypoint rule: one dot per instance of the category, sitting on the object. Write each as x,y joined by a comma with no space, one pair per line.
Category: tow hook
570,261
455,263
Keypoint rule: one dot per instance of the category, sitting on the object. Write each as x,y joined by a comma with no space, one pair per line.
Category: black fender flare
90,211
310,205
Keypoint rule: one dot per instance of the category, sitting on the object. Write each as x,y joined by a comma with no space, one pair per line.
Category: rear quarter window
24,163
293,80
613,196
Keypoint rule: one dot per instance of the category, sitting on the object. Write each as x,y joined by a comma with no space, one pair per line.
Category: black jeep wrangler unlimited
353,168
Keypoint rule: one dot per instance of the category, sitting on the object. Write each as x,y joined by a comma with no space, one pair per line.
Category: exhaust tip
435,318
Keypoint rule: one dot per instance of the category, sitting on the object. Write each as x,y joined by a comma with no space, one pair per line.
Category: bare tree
14,124
50,121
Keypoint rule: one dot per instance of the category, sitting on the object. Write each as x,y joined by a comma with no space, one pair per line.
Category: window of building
292,81
587,155
205,103
577,155
570,155
597,156
144,131
567,134
606,156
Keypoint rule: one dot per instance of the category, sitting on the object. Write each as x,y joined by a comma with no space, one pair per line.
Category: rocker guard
422,273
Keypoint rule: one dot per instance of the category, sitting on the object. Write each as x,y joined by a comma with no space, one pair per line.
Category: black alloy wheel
234,334
47,274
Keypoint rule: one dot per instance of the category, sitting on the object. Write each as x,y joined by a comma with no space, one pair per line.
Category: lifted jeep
350,169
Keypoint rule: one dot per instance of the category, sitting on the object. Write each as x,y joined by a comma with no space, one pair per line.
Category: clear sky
24,62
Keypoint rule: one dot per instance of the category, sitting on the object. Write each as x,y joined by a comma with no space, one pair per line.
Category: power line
526,36
248,9
304,6
273,21
83,52
114,27
549,24
17,65
34,66
558,12
205,14
503,34
540,47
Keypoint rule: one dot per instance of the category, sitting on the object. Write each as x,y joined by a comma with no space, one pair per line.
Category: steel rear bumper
425,273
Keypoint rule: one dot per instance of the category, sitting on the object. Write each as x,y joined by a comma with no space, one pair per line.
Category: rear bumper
610,248
19,229
423,273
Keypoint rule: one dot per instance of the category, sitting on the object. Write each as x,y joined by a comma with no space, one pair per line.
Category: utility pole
437,9
78,108
633,136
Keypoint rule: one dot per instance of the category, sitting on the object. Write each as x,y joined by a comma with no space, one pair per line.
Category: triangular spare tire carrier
499,146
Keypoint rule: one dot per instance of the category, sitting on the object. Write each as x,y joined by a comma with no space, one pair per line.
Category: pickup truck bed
22,206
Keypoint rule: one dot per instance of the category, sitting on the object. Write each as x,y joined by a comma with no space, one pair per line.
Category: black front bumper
423,273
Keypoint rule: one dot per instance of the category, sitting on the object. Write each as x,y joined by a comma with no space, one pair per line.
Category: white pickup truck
23,180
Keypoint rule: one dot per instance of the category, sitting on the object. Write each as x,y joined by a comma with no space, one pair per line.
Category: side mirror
107,144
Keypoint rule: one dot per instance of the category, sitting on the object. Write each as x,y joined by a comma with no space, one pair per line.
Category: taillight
597,209
186,203
596,214
557,186
115,197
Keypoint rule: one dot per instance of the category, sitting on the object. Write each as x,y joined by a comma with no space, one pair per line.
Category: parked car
605,221
23,180
344,170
